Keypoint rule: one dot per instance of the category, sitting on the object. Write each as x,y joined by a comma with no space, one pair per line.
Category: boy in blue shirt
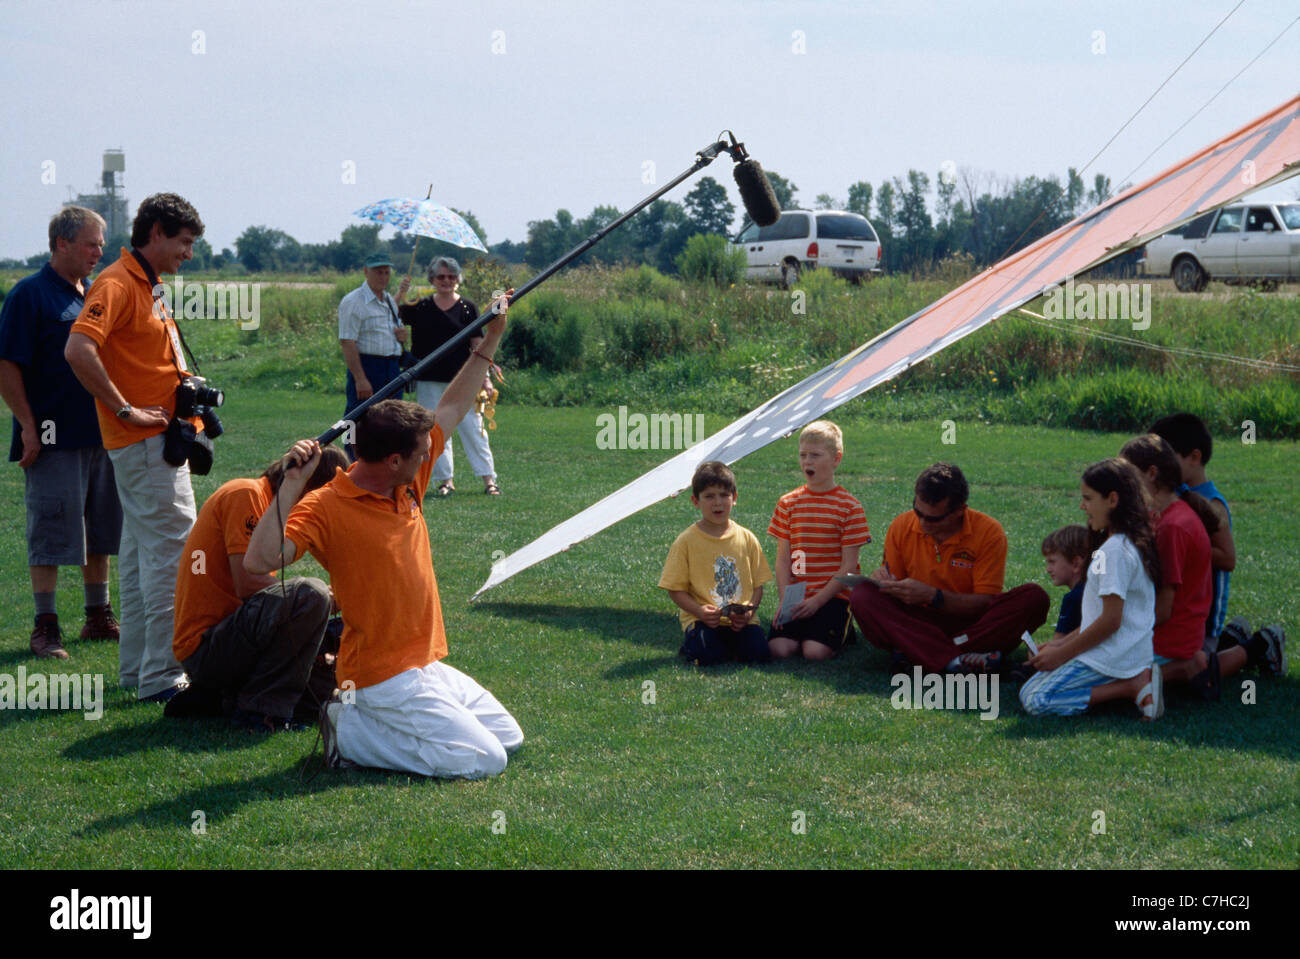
1066,554
1265,648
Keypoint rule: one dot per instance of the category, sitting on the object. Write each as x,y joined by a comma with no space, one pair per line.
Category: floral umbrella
423,218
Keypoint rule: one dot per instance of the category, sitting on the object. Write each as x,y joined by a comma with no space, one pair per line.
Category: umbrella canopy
423,218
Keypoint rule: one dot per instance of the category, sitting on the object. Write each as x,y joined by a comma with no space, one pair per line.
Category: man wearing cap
370,333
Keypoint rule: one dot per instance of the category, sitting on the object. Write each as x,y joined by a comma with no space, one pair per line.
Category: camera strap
163,314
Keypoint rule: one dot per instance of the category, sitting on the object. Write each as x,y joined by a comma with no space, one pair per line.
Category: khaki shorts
72,507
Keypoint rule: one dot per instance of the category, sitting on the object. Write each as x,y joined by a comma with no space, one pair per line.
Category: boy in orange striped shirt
819,529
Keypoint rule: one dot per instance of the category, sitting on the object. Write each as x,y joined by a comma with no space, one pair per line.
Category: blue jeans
708,647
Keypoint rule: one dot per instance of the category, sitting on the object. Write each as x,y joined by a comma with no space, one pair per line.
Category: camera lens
209,396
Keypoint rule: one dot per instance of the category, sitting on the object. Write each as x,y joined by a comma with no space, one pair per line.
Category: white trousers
157,513
427,394
434,721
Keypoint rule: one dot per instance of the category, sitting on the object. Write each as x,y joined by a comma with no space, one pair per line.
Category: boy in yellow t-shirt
715,572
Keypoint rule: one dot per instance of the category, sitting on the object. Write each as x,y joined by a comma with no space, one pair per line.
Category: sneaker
164,695
981,662
898,664
1274,649
100,624
47,638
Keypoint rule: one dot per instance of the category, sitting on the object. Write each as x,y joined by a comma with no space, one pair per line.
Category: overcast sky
294,114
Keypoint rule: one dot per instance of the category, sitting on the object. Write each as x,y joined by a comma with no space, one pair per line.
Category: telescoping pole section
403,379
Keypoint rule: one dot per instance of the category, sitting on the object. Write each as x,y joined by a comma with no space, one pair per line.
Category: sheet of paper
1029,641
791,598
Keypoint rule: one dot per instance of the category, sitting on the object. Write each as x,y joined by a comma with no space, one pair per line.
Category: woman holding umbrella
433,321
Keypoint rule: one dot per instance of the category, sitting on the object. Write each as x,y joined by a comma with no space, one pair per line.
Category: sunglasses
928,518
446,276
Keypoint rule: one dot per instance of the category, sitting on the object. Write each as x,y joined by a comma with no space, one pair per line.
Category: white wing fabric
1263,152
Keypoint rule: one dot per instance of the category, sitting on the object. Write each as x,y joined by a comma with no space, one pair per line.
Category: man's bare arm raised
268,547
463,389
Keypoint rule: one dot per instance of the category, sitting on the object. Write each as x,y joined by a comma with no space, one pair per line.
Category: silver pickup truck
1238,243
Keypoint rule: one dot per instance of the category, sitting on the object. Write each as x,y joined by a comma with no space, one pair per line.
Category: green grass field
722,766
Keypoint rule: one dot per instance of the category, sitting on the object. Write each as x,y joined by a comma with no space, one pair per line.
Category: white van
845,243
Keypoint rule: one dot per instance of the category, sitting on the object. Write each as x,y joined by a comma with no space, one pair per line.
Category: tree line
973,214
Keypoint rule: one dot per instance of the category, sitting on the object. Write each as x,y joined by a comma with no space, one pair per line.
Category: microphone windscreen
756,193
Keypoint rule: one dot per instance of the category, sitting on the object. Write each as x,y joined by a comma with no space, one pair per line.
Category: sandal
445,489
1155,689
1274,658
1235,633
492,489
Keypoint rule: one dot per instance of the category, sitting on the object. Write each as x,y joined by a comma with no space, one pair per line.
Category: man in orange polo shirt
937,600
127,354
402,707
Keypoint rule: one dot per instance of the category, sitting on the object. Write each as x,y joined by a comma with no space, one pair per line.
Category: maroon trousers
925,635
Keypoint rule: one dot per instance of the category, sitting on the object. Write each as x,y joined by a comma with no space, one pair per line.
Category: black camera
182,441
195,398
193,394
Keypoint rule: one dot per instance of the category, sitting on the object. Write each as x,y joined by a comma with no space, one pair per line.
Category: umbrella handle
411,269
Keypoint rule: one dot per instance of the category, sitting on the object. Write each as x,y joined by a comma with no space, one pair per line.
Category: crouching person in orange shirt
403,708
247,642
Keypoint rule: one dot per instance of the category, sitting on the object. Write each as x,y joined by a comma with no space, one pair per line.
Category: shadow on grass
1265,727
617,625
114,698
855,672
860,669
186,735
221,800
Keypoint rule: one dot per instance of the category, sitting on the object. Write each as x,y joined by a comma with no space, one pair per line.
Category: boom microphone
756,193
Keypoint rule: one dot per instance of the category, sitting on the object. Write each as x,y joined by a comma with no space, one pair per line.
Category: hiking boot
100,624
47,638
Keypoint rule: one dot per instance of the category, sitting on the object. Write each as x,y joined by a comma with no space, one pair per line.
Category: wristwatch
124,412
936,601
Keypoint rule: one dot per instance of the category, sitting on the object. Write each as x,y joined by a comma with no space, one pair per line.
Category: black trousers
262,653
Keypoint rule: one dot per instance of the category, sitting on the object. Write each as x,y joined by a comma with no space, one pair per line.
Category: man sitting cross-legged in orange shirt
937,601
409,711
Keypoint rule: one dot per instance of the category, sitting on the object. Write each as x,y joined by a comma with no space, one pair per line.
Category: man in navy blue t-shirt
73,514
